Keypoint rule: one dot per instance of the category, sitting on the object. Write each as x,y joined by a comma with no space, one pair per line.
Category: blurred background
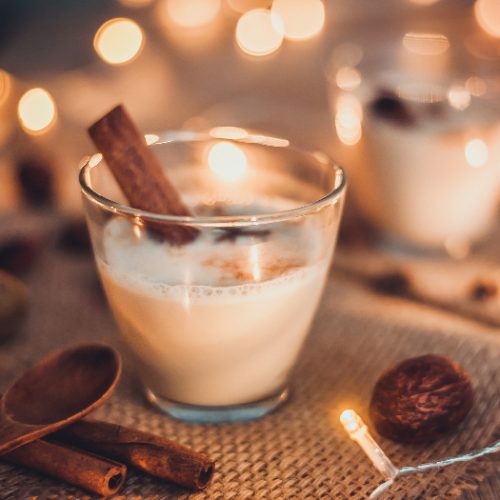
403,93
198,63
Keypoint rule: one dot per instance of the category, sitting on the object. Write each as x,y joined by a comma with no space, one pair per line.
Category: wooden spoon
60,389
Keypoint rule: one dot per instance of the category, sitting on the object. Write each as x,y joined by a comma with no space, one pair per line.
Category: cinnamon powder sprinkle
241,270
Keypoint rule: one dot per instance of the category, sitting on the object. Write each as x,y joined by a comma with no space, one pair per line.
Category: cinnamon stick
95,474
152,454
140,174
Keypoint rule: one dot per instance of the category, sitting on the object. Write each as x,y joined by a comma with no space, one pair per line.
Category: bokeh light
243,6
456,248
228,132
151,139
347,54
347,78
227,161
487,14
259,32
476,153
426,44
476,85
348,119
5,86
459,97
36,111
119,41
302,19
191,13
136,3
254,258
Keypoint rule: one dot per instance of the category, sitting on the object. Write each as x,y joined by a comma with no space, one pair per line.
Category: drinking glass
215,326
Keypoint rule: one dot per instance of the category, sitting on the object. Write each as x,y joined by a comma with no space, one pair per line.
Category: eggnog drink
219,321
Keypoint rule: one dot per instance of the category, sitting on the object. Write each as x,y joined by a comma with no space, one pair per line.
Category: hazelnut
18,254
392,283
389,106
483,290
36,181
13,304
420,398
74,236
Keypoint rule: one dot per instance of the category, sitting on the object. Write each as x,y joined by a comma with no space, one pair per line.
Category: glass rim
226,134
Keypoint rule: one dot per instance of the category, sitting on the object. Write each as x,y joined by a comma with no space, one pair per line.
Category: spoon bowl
60,389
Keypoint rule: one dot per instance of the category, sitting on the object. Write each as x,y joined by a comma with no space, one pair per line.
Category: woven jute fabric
300,451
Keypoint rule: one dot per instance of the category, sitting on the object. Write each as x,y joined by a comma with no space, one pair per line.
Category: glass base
217,414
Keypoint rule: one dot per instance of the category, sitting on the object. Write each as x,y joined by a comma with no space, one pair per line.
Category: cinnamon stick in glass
140,174
155,455
97,475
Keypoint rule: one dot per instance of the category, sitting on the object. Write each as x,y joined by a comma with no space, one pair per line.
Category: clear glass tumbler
216,325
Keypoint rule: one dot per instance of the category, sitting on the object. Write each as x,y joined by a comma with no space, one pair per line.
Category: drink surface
219,321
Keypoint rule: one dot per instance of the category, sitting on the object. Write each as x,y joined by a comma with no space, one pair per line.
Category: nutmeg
420,399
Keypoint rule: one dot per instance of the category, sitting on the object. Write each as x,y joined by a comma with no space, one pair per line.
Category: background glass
416,117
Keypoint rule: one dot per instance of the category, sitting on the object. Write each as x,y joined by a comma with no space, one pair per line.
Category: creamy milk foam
219,321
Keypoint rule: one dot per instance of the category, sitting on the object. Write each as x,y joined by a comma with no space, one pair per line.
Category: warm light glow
5,86
348,119
228,133
347,54
476,86
36,111
351,421
255,263
347,78
136,3
151,139
243,6
95,159
192,13
421,92
487,14
119,41
424,2
426,44
476,153
302,19
459,97
138,228
358,432
457,249
259,32
228,161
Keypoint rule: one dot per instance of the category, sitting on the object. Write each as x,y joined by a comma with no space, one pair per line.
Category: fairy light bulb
119,41
227,161
259,32
358,432
36,111
302,19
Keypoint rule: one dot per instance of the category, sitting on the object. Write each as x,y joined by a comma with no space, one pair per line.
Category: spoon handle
13,435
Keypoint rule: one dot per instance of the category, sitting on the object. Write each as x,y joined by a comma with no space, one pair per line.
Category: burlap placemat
300,451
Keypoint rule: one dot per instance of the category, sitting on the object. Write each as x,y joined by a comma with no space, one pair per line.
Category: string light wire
358,431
